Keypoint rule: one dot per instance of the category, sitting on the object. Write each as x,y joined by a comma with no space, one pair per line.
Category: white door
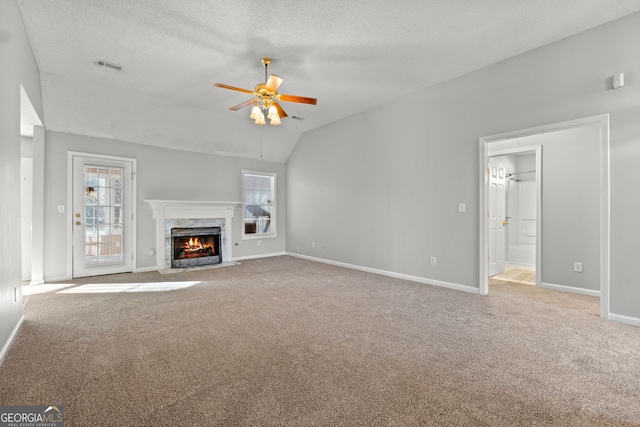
102,216
497,204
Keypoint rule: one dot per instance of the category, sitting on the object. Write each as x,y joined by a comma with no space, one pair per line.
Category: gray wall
18,67
571,209
162,174
381,188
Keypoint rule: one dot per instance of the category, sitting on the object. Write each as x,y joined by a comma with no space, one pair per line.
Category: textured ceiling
351,55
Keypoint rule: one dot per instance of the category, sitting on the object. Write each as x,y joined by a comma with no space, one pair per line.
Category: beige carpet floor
288,342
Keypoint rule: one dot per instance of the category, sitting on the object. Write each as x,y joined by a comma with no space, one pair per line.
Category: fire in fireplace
191,247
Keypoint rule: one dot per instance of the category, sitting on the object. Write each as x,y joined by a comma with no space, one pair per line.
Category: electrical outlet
259,242
150,252
326,246
297,248
432,260
313,244
577,267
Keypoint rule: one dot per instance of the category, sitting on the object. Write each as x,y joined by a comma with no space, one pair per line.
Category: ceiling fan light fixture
273,113
260,119
255,112
266,98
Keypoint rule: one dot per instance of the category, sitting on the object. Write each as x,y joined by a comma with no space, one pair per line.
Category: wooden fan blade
281,112
244,104
300,99
273,83
239,89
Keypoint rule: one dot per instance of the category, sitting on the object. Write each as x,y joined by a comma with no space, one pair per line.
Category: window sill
259,236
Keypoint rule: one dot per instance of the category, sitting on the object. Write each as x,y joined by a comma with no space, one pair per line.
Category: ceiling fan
267,98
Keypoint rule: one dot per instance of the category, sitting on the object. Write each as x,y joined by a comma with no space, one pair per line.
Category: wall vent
101,63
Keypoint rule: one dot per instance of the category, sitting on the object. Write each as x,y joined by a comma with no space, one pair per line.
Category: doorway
102,209
585,230
515,211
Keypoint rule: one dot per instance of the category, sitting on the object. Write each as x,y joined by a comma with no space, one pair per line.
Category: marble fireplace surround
220,213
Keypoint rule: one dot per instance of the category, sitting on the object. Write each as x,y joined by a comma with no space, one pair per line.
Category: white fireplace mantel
176,209
191,209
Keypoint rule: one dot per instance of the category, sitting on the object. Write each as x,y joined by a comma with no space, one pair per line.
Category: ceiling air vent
101,63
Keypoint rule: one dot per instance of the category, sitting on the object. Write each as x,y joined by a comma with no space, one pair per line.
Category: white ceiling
351,55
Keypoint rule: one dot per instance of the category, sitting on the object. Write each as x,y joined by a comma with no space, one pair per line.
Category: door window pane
103,215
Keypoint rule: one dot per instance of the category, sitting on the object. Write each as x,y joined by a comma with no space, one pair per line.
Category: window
258,205
103,214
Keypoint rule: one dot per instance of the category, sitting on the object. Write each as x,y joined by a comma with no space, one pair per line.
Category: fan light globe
275,121
255,112
273,113
260,119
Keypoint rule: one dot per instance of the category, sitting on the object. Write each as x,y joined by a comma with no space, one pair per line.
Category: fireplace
191,214
195,246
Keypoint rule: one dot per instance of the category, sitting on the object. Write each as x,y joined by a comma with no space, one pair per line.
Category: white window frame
274,186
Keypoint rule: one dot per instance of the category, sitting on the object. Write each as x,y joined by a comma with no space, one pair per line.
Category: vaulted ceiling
350,55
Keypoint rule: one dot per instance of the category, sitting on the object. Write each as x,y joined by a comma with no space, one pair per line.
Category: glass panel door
103,223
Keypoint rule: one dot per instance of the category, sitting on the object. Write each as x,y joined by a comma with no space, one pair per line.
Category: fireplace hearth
195,246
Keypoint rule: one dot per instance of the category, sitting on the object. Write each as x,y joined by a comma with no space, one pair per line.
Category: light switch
462,207
60,208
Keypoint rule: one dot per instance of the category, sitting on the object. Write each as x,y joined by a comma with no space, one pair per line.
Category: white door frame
70,219
603,122
537,150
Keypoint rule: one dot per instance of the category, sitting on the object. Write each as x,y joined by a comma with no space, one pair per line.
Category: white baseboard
528,266
145,269
635,321
563,288
12,337
57,279
426,281
241,258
